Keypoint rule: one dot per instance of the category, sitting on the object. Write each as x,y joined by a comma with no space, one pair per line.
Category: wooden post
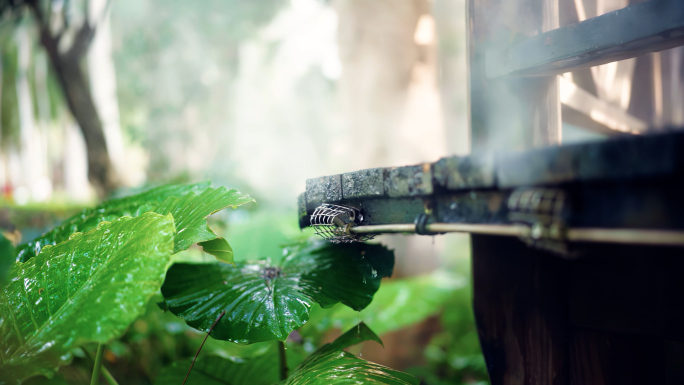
518,302
520,312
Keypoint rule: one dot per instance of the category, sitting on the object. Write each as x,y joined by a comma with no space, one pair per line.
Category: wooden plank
605,358
615,119
628,157
628,289
326,189
409,181
464,172
625,311
363,184
632,182
642,28
520,312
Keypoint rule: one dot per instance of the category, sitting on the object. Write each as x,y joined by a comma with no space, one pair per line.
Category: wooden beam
610,118
642,28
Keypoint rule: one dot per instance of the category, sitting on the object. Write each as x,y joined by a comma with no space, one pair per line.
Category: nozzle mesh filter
334,223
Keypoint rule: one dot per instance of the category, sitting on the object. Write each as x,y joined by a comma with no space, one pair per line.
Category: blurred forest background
101,97
231,91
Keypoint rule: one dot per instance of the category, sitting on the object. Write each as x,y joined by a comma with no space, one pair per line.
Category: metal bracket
421,223
541,210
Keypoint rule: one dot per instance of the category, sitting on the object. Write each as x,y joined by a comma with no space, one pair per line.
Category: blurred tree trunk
74,83
378,54
29,158
451,28
102,76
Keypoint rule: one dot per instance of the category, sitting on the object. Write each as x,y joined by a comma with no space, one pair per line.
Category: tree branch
82,41
50,42
86,33
37,12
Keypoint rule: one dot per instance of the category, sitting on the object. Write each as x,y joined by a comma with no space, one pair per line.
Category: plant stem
95,379
283,360
202,345
108,376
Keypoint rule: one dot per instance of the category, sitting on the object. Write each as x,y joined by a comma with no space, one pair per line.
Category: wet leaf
219,248
189,204
339,368
266,302
355,335
190,212
86,289
330,364
110,210
212,370
235,352
426,295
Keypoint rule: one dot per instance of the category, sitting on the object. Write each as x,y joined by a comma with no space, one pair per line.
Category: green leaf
6,256
110,210
86,289
191,210
190,205
326,366
233,351
330,364
426,295
265,302
212,370
354,336
219,248
340,368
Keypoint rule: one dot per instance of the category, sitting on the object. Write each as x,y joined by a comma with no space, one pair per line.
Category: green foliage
340,367
354,336
190,212
89,287
110,210
263,232
6,256
330,364
427,295
86,289
455,352
453,356
190,205
265,302
213,370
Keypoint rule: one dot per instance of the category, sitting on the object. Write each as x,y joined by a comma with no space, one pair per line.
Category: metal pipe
378,229
506,230
623,236
627,236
